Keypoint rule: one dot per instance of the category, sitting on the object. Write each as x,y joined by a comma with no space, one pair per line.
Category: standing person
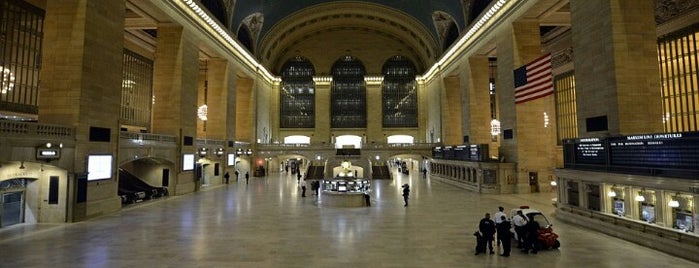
316,187
406,193
504,236
487,228
497,217
520,223
247,177
298,176
237,175
227,177
303,188
531,236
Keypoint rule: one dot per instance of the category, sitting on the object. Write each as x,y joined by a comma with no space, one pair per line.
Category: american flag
533,81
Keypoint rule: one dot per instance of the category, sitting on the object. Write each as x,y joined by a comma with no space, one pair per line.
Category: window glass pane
297,94
399,93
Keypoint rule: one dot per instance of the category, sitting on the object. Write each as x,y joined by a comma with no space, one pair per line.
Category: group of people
527,231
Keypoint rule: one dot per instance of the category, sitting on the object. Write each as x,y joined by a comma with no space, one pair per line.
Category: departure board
665,150
590,151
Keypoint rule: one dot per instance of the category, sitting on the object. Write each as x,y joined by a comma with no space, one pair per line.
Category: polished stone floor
268,224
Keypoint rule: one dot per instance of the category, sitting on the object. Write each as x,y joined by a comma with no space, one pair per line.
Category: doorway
533,182
12,208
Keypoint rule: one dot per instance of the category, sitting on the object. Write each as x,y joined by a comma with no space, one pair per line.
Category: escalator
134,190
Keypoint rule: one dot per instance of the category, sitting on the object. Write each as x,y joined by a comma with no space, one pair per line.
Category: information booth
345,192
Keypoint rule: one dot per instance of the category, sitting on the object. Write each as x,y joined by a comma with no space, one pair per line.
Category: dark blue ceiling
276,10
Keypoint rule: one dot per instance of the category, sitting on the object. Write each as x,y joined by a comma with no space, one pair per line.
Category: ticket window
682,216
616,196
645,201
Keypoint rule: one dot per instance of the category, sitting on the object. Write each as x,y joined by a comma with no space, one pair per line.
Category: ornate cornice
666,10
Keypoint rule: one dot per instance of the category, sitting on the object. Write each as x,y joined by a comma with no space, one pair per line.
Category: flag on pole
533,81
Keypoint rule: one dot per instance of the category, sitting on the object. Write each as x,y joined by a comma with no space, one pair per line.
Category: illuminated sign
48,153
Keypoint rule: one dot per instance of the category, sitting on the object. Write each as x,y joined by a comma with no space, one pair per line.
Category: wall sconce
249,152
640,197
673,202
611,192
239,152
554,183
203,152
219,152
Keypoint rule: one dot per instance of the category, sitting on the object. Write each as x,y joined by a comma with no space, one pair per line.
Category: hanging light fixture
611,193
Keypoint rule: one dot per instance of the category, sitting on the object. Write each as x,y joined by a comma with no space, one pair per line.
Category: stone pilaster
374,113
451,111
175,78
81,86
476,100
244,109
322,130
217,100
616,66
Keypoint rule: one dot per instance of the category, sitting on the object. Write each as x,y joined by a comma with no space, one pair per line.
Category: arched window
348,94
399,93
452,35
245,38
297,94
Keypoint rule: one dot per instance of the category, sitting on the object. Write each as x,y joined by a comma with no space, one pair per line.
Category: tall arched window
399,93
348,97
297,94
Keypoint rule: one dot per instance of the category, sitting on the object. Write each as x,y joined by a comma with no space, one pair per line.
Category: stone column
476,100
616,67
533,145
451,111
81,87
175,79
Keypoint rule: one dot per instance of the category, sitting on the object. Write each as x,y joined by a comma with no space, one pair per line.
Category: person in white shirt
520,223
498,218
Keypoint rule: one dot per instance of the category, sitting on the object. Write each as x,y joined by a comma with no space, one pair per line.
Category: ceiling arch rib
363,24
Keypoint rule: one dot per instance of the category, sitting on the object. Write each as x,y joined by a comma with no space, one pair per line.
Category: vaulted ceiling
371,30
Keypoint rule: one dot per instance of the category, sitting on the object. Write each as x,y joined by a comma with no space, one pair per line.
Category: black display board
660,154
464,152
591,151
668,150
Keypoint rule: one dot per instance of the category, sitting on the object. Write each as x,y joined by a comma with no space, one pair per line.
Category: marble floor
268,224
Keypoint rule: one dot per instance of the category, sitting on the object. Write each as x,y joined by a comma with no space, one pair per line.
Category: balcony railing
36,129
